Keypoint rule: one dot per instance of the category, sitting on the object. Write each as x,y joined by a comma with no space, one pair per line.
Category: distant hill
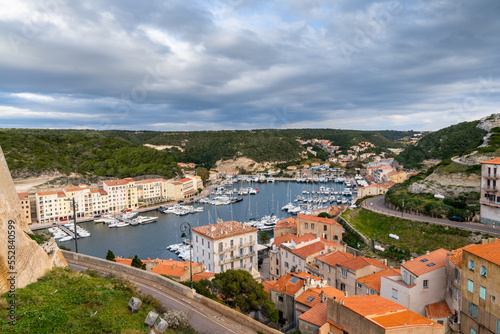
120,153
443,144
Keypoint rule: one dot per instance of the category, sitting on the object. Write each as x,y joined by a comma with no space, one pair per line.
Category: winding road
377,204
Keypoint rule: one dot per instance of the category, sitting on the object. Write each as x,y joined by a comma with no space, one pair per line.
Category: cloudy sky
238,64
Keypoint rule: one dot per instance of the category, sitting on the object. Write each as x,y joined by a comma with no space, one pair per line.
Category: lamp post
74,222
186,227
403,207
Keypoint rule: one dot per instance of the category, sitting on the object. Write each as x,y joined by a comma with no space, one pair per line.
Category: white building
122,194
422,282
490,195
225,245
51,206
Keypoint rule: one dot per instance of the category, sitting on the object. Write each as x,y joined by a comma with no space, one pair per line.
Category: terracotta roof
318,219
268,285
360,262
184,180
204,275
122,260
149,181
224,229
22,196
489,252
438,310
173,268
289,285
334,257
495,161
116,182
309,250
373,281
403,319
456,256
45,193
312,296
316,315
421,265
75,189
289,237
287,223
370,305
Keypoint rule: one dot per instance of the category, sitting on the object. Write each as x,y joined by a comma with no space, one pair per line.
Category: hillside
120,153
443,144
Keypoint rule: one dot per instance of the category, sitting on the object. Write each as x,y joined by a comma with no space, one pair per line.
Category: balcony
490,188
454,326
492,175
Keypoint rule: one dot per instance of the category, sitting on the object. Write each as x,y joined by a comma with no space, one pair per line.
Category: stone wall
19,254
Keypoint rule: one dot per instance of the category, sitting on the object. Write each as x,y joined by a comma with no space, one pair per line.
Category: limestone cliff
18,252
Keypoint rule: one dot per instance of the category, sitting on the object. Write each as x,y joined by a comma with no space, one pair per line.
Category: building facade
322,227
490,194
24,198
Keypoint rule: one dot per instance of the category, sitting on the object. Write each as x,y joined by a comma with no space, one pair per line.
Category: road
377,204
201,317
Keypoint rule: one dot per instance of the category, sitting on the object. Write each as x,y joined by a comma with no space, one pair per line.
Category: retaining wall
173,285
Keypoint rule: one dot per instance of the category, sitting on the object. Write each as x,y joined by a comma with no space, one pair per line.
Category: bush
176,319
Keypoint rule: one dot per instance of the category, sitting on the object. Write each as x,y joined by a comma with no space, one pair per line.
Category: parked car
457,218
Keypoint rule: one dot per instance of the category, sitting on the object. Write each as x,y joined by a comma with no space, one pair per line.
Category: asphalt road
201,318
377,204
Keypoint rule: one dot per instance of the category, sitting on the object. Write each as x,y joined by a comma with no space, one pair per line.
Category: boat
67,238
122,224
146,220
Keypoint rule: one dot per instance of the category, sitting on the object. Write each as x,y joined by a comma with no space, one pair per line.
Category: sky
235,64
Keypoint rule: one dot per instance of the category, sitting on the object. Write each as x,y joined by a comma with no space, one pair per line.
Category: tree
136,262
263,238
239,290
110,256
203,173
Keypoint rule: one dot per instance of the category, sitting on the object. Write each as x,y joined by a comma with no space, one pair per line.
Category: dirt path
27,184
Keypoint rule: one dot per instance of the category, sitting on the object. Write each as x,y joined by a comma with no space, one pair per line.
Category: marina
149,237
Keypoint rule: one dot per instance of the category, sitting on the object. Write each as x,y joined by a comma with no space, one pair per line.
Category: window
482,292
300,262
426,283
472,309
307,225
493,299
470,286
344,273
394,293
324,227
280,299
286,264
471,265
286,255
277,263
440,322
222,268
293,258
221,246
310,299
342,287
359,285
498,327
232,243
473,331
456,275
312,226
484,271
196,238
241,263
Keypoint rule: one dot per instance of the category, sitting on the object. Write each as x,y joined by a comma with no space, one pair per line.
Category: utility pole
186,227
74,225
403,208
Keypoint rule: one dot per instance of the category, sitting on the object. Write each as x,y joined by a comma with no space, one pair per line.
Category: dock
67,231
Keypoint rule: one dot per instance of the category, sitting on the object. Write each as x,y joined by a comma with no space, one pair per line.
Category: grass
64,301
413,236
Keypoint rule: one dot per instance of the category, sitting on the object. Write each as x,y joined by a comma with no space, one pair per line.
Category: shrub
176,319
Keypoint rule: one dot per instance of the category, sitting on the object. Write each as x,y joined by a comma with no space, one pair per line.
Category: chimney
174,266
185,267
403,262
346,294
308,280
286,288
323,297
427,252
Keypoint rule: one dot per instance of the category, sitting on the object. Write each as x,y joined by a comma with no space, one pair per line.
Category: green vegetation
443,144
413,236
136,262
64,301
204,174
40,236
264,238
110,256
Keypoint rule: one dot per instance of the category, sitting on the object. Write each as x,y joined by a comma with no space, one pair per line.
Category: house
370,284
365,314
397,177
287,288
351,269
286,226
292,168
24,198
203,275
490,195
312,296
324,227
439,312
480,311
178,270
327,265
422,282
225,245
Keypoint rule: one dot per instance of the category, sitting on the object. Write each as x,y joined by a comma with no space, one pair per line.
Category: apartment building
422,282
326,228
98,202
225,245
490,195
24,198
52,206
370,285
480,311
327,265
83,200
122,194
365,314
349,270
312,296
286,226
151,191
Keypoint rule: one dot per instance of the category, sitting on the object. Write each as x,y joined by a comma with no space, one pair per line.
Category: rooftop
334,257
360,262
287,223
173,268
317,219
373,281
312,296
291,283
22,196
224,229
116,182
204,275
495,161
427,263
184,180
490,252
438,310
316,315
455,256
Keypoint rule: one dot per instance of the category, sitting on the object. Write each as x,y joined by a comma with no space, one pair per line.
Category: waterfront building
98,203
225,245
51,206
365,314
322,227
151,191
422,282
24,198
490,194
480,311
83,200
122,194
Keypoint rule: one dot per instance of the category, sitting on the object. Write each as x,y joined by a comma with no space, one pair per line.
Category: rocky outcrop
21,257
448,185
242,162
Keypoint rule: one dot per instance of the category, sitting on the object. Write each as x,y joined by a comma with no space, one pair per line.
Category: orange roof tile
173,268
287,223
204,275
312,296
438,310
495,161
224,229
370,305
287,285
45,193
421,265
403,319
334,257
184,180
289,237
373,281
456,256
116,182
318,219
360,262
122,260
316,315
149,181
489,252
22,196
268,285
309,250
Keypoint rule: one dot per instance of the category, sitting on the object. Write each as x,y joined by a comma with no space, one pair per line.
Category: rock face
448,185
18,252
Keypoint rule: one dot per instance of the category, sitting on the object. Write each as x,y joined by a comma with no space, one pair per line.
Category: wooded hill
117,153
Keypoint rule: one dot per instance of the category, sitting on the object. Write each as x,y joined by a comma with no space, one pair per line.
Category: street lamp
403,207
186,227
74,222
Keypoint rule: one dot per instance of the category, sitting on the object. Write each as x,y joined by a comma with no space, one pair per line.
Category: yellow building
52,206
397,177
122,194
151,191
25,205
